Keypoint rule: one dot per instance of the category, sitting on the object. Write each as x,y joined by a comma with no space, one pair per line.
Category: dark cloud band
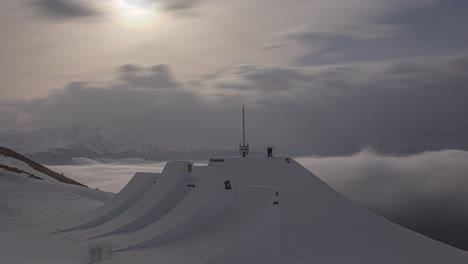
394,107
63,9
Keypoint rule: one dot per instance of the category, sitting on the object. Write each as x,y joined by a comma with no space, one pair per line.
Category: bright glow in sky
137,15
45,45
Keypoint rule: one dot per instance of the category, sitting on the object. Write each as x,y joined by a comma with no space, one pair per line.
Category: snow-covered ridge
13,163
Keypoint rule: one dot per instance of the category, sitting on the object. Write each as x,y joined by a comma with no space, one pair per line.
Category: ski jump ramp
209,198
241,226
259,241
135,189
230,211
170,188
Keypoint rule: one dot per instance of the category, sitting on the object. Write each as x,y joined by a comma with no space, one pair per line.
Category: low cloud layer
425,192
110,177
8,118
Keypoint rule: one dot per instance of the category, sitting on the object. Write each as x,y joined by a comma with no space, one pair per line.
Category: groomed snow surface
235,210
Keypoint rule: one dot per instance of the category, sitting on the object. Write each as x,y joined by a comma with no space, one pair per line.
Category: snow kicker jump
249,227
211,195
169,189
136,188
253,210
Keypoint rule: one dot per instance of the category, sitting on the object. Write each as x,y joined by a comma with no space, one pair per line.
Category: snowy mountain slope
31,202
31,196
311,223
12,162
28,206
14,165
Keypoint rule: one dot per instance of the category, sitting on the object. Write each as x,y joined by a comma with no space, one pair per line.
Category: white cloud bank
426,192
111,177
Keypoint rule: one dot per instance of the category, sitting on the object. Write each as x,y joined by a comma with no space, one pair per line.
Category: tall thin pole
243,148
243,125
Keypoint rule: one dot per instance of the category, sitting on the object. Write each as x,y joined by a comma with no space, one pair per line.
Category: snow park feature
253,210
209,198
249,210
135,189
232,210
170,188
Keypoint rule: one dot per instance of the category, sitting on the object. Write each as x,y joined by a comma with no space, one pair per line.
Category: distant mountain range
60,146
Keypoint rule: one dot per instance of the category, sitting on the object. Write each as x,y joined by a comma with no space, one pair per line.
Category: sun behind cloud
136,14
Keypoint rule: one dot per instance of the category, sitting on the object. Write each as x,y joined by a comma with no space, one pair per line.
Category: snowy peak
13,163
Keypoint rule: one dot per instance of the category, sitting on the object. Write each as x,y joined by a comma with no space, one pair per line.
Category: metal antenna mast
243,125
243,149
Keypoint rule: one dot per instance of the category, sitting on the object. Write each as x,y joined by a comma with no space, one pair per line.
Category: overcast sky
317,77
326,77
